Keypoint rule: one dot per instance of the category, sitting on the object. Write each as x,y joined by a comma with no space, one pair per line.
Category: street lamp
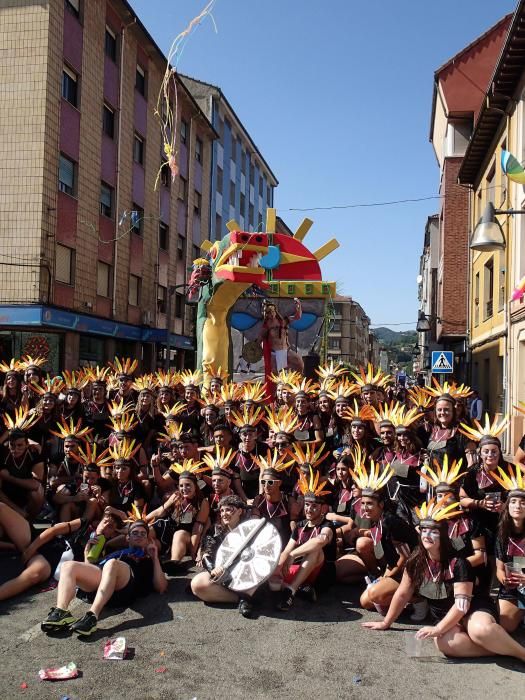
488,234
423,323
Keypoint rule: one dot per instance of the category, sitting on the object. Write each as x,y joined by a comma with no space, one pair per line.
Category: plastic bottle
423,483
96,550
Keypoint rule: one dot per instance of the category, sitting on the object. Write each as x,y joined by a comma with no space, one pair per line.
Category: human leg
180,545
484,631
310,562
73,574
15,526
379,593
364,548
510,615
457,643
36,571
115,576
205,588
350,569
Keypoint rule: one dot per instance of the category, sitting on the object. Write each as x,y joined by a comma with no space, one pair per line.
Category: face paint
430,533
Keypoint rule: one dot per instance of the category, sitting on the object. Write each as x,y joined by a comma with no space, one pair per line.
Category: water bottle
96,550
423,483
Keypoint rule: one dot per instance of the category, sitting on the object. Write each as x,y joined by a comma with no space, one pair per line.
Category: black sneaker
286,601
308,593
56,620
171,567
245,608
86,625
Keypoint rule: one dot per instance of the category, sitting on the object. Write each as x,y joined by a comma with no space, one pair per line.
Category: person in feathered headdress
282,424
12,396
64,474
338,431
444,437
123,370
191,415
144,430
219,462
283,380
353,426
246,421
309,427
32,367
47,409
308,560
179,522
385,549
95,407
22,472
371,384
127,488
214,377
72,406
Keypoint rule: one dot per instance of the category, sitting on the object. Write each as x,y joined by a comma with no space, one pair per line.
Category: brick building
348,338
91,255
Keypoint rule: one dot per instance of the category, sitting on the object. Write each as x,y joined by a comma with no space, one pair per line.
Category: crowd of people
114,482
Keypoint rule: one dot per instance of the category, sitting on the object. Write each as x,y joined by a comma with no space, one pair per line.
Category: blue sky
337,96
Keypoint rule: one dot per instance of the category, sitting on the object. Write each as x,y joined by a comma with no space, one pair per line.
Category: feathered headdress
312,487
221,460
212,372
253,391
512,482
68,429
307,455
342,390
23,420
285,420
135,515
119,408
89,456
419,397
166,380
249,416
436,511
273,461
331,371
28,361
286,376
372,481
230,393
124,450
396,414
489,432
49,386
13,366
97,375
191,379
173,411
174,430
371,378
452,390
124,366
441,477
305,386
74,380
359,414
188,469
123,422
145,382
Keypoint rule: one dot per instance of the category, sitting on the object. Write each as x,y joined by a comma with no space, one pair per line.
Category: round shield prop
252,352
250,554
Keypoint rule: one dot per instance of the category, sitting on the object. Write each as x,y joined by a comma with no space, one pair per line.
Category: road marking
35,630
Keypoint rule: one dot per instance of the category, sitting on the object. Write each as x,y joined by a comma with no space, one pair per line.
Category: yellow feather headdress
174,430
374,479
118,408
305,386
513,481
13,366
229,392
23,420
124,365
285,420
253,391
74,380
308,454
125,449
273,461
97,374
249,416
189,378
342,390
332,370
173,411
28,361
437,510
361,413
312,486
89,456
135,515
419,397
397,414
123,423
371,377
50,385
145,382
188,466
286,376
212,372
68,429
168,379
441,473
220,460
489,429
453,390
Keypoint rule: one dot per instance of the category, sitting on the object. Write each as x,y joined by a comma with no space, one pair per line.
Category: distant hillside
387,336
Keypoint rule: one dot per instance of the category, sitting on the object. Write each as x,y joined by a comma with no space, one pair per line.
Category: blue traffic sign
442,361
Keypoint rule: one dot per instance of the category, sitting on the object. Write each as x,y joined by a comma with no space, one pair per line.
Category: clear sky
337,96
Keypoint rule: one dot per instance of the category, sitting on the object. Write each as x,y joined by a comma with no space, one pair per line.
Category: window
243,204
250,215
252,174
73,6
66,175
232,193
335,327
179,305
183,132
218,226
234,149
219,180
162,296
140,81
106,200
334,343
138,150
491,186
110,44
64,259
196,252
261,184
181,248
268,196
183,188
243,162
165,174
198,150
134,290
108,121
197,203
164,236
103,279
488,288
220,128
137,220
70,86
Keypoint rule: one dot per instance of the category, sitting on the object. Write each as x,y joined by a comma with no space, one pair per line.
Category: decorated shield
252,352
249,553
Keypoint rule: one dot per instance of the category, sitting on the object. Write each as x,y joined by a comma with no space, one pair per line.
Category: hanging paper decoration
512,167
519,290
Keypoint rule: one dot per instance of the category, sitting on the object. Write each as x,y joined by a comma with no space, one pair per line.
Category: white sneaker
420,611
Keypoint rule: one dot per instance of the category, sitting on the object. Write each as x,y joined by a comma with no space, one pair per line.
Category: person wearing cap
211,586
308,560
116,581
465,621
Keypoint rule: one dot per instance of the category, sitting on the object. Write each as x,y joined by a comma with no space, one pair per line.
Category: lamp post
488,234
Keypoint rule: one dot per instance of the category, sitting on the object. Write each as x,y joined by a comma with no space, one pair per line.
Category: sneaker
86,625
286,601
56,620
171,567
308,593
245,608
419,611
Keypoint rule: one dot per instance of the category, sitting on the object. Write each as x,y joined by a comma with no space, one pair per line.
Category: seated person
117,581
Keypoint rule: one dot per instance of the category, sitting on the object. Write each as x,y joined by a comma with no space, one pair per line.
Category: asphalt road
182,649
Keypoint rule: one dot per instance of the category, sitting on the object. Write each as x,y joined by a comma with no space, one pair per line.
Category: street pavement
182,649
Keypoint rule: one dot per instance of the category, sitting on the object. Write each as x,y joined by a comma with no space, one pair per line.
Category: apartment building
92,256
348,338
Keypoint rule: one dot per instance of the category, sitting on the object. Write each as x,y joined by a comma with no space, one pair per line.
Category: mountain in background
386,336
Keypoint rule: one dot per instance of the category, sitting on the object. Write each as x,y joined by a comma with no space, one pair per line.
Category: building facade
427,298
242,183
457,100
348,338
92,257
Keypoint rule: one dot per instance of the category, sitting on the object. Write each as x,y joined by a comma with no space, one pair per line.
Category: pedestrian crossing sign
442,361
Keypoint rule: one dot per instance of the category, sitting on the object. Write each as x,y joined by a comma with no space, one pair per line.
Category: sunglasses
269,482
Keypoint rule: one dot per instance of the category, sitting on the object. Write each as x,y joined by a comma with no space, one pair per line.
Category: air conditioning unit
146,318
